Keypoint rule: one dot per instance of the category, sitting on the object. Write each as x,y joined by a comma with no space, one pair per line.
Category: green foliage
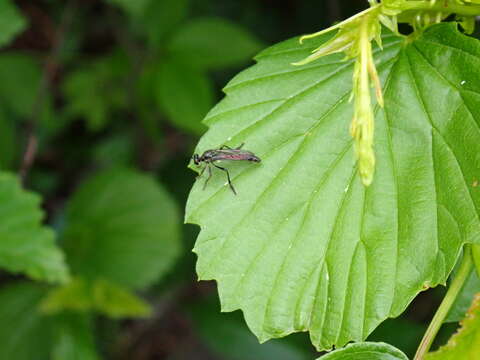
162,17
125,217
213,43
466,342
25,245
134,8
11,22
96,91
100,295
184,94
25,334
29,334
303,230
366,351
464,299
226,336
74,338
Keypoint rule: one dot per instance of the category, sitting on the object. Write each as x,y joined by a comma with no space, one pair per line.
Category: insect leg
209,175
241,145
223,147
228,177
201,172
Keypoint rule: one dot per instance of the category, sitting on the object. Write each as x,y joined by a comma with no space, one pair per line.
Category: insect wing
233,154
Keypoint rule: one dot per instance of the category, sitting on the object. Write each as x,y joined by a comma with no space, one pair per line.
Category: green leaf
213,43
184,94
366,351
74,338
132,7
162,17
97,91
122,226
25,334
466,342
12,22
99,295
25,245
226,336
304,246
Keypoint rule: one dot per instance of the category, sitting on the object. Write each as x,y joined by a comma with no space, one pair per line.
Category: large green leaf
465,344
122,226
25,245
11,22
213,43
304,246
366,351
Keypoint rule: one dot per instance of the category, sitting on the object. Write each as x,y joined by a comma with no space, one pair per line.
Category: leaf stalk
447,302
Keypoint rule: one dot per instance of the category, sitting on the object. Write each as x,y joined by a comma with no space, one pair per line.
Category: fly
223,153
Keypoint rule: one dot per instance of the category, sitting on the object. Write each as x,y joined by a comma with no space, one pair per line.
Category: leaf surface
26,246
304,246
122,226
366,351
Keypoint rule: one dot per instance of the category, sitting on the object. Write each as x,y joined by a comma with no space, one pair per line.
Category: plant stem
451,7
447,302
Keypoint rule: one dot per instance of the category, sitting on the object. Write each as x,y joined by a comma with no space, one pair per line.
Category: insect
223,153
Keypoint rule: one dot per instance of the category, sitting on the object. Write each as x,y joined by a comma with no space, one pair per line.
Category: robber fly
223,153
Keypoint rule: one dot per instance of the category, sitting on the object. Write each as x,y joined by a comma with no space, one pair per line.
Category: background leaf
125,217
305,246
163,17
184,94
213,43
366,351
25,334
25,245
100,295
466,342
464,298
12,22
74,338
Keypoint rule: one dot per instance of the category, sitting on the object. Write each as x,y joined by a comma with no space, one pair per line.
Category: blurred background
101,104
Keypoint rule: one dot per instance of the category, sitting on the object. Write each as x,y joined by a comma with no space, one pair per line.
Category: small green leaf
25,334
465,344
98,295
122,226
74,338
12,22
132,7
162,17
305,246
213,43
25,245
366,351
184,94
